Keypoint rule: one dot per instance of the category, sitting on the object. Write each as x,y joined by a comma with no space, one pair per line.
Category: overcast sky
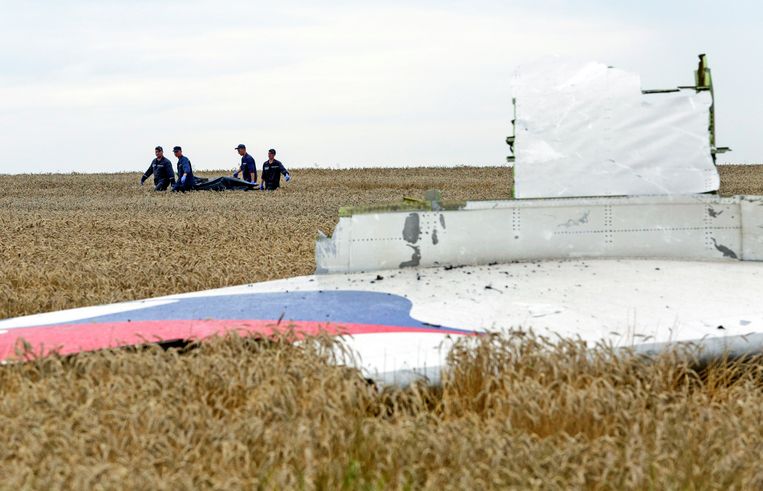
94,85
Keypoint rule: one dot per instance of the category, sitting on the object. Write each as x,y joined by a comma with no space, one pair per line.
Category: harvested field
514,412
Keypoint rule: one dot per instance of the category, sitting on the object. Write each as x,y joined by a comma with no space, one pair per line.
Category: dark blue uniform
271,174
184,170
163,173
248,168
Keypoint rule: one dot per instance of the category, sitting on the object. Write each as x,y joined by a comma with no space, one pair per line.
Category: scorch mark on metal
411,229
415,258
411,233
574,223
724,250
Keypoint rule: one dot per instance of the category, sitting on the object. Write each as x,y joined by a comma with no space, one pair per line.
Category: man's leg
162,184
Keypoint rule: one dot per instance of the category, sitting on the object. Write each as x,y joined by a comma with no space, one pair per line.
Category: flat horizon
324,167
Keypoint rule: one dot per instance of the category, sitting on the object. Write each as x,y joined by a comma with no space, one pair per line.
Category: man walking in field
161,168
271,172
248,168
185,172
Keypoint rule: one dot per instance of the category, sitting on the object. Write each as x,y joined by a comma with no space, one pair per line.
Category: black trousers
161,184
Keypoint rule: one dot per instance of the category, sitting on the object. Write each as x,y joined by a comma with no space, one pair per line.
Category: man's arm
148,173
186,169
253,169
170,170
286,175
182,170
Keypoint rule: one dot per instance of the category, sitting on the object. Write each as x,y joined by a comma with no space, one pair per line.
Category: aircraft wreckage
616,236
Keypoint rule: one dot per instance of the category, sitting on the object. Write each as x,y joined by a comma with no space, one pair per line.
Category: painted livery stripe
74,338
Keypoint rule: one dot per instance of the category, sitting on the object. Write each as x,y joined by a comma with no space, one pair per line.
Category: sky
95,85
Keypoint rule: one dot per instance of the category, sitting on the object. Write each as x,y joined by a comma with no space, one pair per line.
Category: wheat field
514,411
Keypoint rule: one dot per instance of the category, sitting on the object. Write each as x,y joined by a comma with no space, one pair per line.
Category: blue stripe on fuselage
339,306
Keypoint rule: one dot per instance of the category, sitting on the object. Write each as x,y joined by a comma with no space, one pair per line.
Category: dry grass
514,412
75,240
741,179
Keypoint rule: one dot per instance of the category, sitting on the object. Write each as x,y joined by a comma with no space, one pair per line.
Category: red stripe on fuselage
74,338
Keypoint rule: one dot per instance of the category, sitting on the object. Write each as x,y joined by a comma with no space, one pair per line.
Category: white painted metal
626,303
585,129
752,229
691,227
